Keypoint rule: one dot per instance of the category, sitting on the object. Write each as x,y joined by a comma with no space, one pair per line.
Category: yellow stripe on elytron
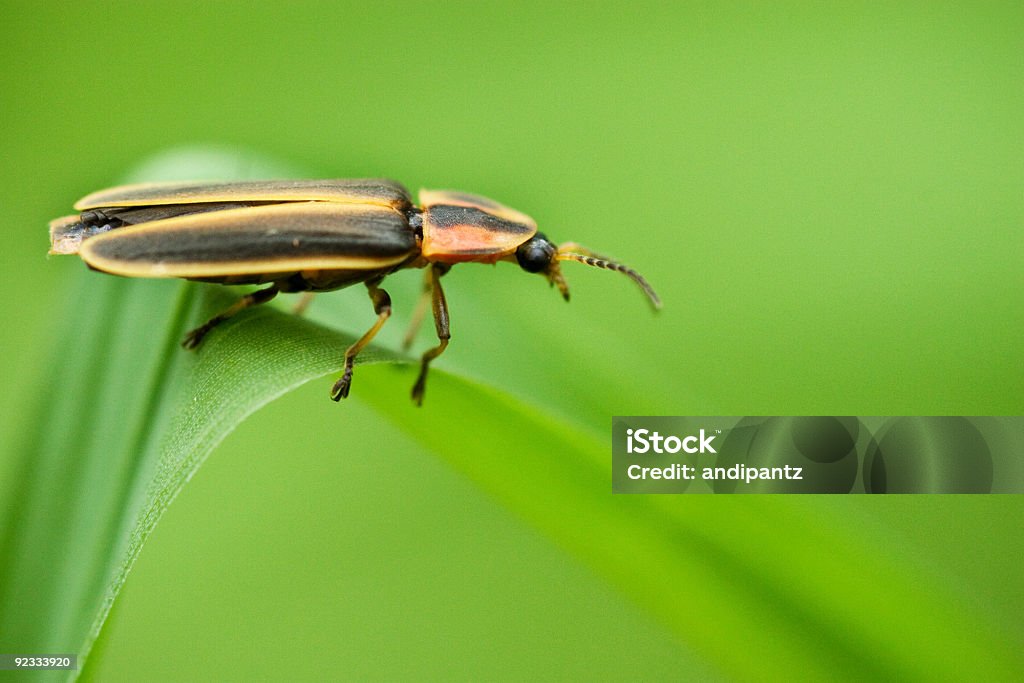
251,216
227,269
115,196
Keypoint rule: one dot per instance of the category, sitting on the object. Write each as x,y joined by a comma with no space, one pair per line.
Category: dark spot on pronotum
445,217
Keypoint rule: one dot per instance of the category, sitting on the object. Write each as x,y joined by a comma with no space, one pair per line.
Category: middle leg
382,307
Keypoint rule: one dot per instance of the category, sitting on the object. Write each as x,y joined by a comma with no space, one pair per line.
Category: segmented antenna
574,252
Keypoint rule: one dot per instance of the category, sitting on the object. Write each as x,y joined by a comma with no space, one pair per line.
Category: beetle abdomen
267,239
68,232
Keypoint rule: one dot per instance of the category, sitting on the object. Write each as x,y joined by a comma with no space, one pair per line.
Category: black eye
535,255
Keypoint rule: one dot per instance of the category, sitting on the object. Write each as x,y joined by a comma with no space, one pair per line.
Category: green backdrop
829,201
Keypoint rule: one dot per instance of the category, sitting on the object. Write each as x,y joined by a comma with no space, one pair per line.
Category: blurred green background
830,202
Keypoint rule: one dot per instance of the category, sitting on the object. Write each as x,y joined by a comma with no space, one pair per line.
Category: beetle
311,236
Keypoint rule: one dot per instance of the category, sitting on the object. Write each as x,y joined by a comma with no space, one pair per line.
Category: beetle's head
540,255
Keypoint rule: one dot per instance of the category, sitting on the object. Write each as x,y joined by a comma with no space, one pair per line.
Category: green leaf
126,417
129,416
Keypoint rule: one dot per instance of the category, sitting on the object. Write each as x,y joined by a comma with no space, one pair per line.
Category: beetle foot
419,389
341,387
195,337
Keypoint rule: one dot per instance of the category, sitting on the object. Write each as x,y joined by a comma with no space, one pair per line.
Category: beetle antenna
574,252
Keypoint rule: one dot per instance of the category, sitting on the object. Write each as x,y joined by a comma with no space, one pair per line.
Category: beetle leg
382,307
420,313
262,296
443,332
305,299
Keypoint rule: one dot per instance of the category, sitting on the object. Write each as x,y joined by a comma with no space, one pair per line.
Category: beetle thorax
459,227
